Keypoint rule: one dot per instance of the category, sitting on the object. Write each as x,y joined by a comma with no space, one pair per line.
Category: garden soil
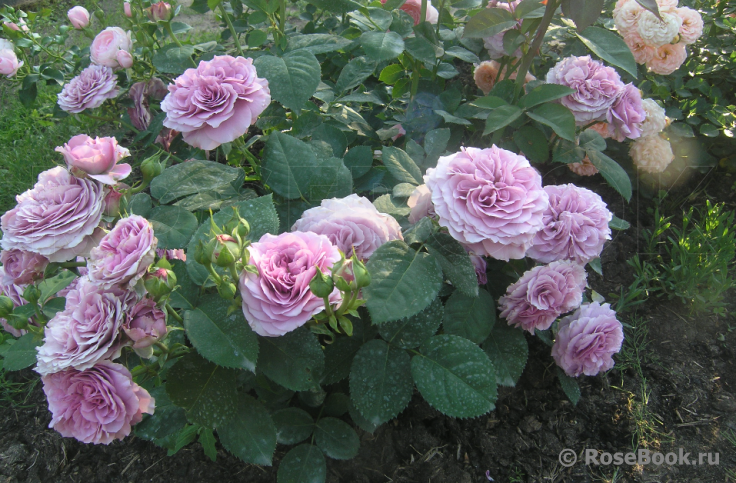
688,368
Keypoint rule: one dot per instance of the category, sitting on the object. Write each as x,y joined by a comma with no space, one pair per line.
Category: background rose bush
247,176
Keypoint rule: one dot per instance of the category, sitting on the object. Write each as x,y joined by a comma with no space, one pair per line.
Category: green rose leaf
401,166
381,46
556,116
140,204
359,160
173,226
226,340
293,78
303,464
353,74
404,282
617,223
462,54
186,296
544,93
455,262
569,386
166,420
583,12
339,356
22,354
336,438
250,433
613,172
609,47
411,332
501,117
380,381
455,376
195,177
489,22
507,348
174,59
470,317
51,286
293,425
207,392
317,43
567,152
294,360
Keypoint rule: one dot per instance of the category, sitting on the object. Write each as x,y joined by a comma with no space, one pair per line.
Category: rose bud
32,294
160,283
227,290
226,251
78,17
362,277
9,63
6,306
146,324
321,285
127,9
150,168
124,58
159,12
114,199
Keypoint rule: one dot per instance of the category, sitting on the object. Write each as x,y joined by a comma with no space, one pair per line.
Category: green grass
28,138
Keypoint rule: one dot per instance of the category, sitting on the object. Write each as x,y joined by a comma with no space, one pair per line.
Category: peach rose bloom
602,129
643,53
584,168
692,25
486,73
668,59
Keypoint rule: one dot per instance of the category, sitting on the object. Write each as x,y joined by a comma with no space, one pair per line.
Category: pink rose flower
15,293
22,267
127,10
123,255
414,9
584,168
542,294
160,11
643,52
278,300
575,226
78,17
9,63
596,87
57,218
216,102
172,254
142,93
692,25
112,200
627,17
490,200
21,25
480,268
401,132
668,59
350,222
145,324
105,47
98,405
87,331
420,203
89,90
125,59
626,115
95,158
587,340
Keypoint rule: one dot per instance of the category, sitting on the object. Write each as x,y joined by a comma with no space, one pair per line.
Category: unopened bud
6,306
199,254
362,277
227,290
150,168
321,285
32,294
226,251
160,283
159,12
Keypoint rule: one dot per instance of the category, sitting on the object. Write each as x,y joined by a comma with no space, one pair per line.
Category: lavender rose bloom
490,200
57,218
278,299
587,340
124,254
22,267
95,158
420,203
542,294
177,254
145,324
87,330
89,90
575,226
15,293
98,405
216,102
350,222
596,86
626,115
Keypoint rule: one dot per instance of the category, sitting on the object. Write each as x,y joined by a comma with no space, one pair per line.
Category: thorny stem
526,61
232,30
174,313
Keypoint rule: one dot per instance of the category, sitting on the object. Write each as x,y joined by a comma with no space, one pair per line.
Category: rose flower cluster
90,397
659,43
492,202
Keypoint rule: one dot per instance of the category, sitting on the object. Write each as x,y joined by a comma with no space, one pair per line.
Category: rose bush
307,206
